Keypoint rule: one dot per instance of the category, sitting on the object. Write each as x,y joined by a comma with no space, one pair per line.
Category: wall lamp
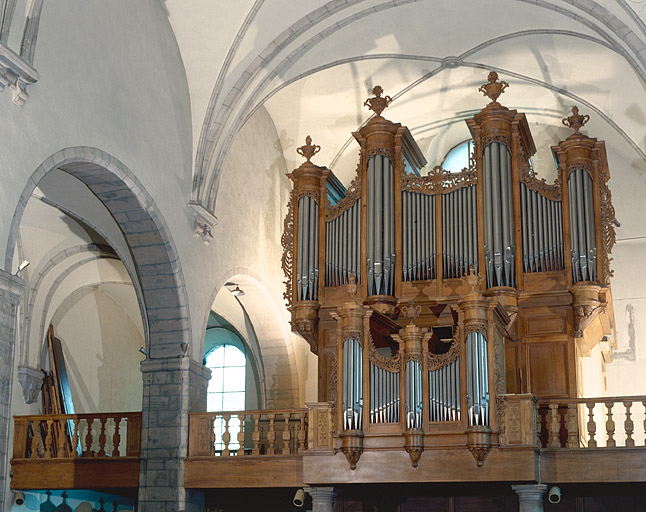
236,292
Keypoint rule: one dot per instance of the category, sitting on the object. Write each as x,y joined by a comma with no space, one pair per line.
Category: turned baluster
241,436
75,437
301,433
287,435
102,438
572,427
36,439
610,427
48,439
592,426
61,439
212,435
116,437
255,436
88,438
226,437
271,435
555,424
629,426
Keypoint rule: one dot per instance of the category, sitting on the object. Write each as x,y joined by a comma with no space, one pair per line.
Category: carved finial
377,104
493,89
472,280
575,121
308,150
411,311
352,288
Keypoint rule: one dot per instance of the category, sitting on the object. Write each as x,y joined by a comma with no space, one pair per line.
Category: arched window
226,391
459,157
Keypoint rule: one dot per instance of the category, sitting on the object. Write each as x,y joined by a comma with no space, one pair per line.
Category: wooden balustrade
239,433
69,436
605,422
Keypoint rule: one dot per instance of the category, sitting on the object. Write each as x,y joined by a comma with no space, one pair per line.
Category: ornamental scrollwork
502,139
413,357
287,241
437,361
390,364
540,186
331,389
479,327
352,194
500,385
608,223
314,194
583,165
439,181
387,152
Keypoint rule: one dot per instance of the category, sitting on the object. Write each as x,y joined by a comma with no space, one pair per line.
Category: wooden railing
65,436
239,433
609,422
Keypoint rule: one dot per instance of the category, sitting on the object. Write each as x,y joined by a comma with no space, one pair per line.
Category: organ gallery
428,295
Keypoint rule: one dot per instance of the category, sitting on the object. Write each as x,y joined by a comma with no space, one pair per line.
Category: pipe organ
428,296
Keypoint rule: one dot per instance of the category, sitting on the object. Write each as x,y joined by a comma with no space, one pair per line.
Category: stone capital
530,497
31,381
322,498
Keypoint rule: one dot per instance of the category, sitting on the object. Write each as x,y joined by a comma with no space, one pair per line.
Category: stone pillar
322,498
172,388
530,497
11,290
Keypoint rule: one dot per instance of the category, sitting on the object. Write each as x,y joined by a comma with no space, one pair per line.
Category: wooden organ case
428,298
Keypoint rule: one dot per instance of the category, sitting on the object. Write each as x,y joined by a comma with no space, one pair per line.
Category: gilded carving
287,241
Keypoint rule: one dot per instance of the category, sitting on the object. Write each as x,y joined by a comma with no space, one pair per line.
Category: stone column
530,497
11,290
322,498
172,388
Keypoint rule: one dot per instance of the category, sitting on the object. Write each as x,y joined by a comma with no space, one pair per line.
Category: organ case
514,269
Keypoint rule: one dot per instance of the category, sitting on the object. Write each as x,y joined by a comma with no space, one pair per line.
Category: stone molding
16,74
530,497
31,381
204,222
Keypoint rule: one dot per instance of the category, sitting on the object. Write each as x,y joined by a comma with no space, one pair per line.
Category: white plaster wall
100,344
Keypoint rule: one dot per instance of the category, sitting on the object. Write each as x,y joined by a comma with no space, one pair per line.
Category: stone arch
159,279
274,337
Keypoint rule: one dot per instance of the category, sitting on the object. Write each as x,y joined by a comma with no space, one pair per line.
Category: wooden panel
75,474
435,465
539,325
594,465
548,369
512,367
218,472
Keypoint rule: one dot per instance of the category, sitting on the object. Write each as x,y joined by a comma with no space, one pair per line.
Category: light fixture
22,266
237,292
143,351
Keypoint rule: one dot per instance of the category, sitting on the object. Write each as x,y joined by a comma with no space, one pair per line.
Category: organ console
427,297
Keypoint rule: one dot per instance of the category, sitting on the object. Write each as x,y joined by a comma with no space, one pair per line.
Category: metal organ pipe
444,392
499,219
542,232
352,384
477,379
342,247
380,242
307,270
582,234
459,231
413,379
